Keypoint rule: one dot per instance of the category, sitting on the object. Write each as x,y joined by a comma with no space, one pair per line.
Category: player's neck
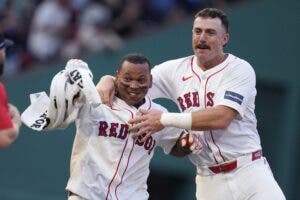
212,63
137,105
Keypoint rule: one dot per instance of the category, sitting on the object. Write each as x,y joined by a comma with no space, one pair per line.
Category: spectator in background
10,27
194,5
9,115
78,5
163,13
93,32
49,29
157,10
60,29
127,22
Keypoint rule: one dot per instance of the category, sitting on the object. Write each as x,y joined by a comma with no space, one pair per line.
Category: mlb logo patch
234,97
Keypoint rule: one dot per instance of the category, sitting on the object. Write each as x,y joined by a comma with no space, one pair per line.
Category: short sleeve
238,88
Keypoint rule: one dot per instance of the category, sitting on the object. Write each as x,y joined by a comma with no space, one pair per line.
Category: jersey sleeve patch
234,97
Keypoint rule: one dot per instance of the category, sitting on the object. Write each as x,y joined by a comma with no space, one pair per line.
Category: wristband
179,120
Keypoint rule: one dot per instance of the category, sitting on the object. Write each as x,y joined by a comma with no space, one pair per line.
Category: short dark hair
135,58
214,13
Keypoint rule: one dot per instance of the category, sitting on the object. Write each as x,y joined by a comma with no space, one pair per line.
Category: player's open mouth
133,94
202,46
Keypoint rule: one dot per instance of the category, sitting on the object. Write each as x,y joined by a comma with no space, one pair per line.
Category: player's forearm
104,80
106,89
7,136
209,119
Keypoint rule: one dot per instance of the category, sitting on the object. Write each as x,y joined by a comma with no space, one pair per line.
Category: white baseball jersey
231,83
106,162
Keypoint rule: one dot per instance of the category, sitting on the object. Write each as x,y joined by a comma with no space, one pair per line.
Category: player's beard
1,68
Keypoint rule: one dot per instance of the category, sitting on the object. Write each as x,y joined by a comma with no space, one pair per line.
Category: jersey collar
208,72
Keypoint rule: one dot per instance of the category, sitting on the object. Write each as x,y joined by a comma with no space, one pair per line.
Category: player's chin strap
69,89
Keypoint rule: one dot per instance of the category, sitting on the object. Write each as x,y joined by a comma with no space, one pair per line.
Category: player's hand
106,89
14,114
190,143
145,124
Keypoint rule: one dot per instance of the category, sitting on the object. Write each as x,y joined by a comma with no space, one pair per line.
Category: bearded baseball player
106,162
216,93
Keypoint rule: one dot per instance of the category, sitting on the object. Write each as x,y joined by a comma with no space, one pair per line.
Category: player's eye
142,81
126,79
197,31
211,32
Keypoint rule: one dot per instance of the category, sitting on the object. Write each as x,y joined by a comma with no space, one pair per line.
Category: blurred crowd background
45,31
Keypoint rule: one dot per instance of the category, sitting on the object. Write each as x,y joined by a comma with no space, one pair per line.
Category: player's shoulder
237,63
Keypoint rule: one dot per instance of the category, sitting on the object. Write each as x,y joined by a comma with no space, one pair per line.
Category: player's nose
202,37
134,85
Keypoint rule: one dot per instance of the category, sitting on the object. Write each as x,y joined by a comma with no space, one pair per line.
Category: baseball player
10,121
216,93
106,162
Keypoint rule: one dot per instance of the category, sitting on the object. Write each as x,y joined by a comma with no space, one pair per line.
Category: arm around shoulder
218,117
106,89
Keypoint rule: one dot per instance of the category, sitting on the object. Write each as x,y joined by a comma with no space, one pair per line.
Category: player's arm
218,117
106,89
8,135
151,121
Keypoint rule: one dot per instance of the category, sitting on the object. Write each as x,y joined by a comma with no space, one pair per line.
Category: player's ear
150,84
225,39
117,74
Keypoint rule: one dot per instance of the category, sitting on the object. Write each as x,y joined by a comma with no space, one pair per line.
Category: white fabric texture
241,183
106,162
69,89
192,89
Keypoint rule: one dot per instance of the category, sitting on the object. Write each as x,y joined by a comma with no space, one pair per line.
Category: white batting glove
190,142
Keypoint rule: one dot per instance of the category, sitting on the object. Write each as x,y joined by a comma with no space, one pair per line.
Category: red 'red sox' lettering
191,99
120,131
148,144
210,101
